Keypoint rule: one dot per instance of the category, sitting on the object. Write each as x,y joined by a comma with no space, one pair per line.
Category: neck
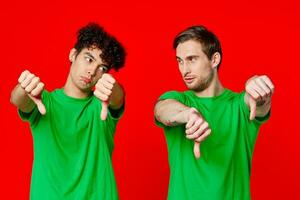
72,90
214,89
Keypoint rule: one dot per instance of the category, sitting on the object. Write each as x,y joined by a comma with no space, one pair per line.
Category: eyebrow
191,56
90,55
188,57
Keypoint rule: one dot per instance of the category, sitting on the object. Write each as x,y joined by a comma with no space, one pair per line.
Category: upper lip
188,78
85,79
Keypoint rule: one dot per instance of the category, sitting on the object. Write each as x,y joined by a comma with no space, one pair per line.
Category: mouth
85,80
188,80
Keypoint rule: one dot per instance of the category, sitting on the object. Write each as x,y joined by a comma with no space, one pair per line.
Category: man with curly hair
225,123
73,127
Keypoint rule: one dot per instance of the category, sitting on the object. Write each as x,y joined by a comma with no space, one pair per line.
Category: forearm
117,98
171,112
20,99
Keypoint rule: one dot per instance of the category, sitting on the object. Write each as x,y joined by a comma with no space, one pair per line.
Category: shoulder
173,95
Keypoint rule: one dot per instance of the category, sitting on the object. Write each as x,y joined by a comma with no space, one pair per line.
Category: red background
258,37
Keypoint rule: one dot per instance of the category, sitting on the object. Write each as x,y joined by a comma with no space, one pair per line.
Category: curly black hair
92,35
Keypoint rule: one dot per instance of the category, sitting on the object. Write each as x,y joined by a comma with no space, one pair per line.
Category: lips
86,80
189,79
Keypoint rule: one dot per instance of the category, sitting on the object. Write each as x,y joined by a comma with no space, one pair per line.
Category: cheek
180,68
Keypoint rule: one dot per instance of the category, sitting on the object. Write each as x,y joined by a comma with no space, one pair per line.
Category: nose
185,69
91,70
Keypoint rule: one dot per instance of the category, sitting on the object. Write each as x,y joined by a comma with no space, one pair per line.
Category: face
195,67
87,68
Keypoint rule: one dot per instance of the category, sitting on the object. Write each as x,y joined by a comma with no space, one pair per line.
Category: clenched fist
197,129
33,87
103,90
259,90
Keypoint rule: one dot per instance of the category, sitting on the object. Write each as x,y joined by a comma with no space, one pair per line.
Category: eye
193,59
88,59
179,61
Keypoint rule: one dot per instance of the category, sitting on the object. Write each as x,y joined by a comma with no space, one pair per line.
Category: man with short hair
225,123
72,143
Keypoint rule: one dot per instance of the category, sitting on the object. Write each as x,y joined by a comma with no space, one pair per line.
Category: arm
25,96
259,91
116,100
172,113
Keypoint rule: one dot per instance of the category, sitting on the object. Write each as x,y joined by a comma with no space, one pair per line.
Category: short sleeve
33,116
173,95
116,114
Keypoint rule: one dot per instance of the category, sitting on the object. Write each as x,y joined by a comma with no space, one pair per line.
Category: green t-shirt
72,149
223,170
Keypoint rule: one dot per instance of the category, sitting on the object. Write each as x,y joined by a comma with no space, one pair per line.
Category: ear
215,60
72,54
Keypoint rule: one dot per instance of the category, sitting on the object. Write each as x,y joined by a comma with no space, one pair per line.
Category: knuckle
27,89
105,97
37,79
264,76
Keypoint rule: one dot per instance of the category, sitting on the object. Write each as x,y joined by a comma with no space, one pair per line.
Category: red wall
258,37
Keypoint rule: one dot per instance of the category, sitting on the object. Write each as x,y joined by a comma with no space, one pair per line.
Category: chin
197,88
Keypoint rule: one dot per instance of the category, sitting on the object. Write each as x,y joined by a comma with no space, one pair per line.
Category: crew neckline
61,93
223,93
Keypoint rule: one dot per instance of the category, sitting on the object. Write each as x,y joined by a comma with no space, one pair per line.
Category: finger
108,78
39,103
23,76
197,150
252,92
203,136
199,132
101,96
27,80
252,105
268,82
103,90
263,86
195,127
34,82
104,110
37,90
190,123
106,84
257,87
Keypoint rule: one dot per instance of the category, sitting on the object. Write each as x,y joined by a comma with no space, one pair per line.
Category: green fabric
223,170
72,149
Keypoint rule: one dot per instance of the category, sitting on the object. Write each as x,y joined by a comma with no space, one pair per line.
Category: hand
197,129
33,87
259,90
103,90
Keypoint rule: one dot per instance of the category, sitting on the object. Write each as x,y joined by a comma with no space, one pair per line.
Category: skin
200,75
87,70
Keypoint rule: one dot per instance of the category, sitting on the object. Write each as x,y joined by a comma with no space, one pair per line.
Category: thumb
252,105
104,110
39,103
197,150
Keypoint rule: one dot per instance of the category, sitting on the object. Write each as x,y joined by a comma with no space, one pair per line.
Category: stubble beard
203,83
